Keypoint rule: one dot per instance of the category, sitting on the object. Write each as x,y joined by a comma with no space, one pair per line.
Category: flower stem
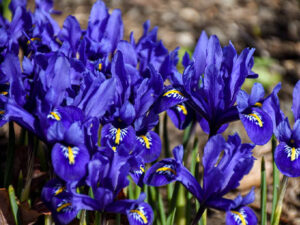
281,194
199,214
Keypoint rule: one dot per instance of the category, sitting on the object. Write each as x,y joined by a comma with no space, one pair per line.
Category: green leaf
10,155
171,217
13,203
275,180
263,196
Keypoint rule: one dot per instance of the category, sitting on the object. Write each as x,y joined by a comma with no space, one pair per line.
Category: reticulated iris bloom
212,80
287,153
254,115
221,173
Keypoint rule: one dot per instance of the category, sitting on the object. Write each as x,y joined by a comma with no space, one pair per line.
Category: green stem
275,179
10,155
280,200
199,214
48,220
263,196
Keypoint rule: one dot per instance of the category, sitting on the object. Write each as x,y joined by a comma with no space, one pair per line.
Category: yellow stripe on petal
173,92
114,148
100,66
2,112
118,136
240,216
144,218
60,190
63,206
55,115
258,104
166,169
3,92
257,119
33,39
142,169
146,140
71,155
293,155
182,107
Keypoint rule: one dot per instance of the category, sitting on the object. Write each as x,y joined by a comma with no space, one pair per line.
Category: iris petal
287,159
150,146
69,162
242,216
142,214
258,125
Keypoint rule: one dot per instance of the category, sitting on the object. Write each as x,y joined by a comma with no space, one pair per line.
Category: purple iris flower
287,153
221,175
240,213
211,82
254,114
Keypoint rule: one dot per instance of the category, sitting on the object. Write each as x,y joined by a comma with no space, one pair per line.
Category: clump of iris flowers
95,101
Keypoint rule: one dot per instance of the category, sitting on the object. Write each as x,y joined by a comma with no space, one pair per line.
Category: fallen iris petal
69,162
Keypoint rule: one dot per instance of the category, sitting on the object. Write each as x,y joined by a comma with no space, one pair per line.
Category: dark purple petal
283,131
141,214
296,101
242,100
64,209
257,94
220,203
190,183
69,162
71,32
287,159
212,150
200,54
114,136
272,107
162,173
243,216
259,126
169,98
181,115
178,153
149,145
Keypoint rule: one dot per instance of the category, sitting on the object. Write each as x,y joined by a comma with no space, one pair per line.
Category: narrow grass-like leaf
181,206
20,184
83,217
48,220
192,169
98,218
161,206
263,193
118,219
165,137
171,217
281,194
203,218
10,155
13,203
30,164
275,180
6,12
130,189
